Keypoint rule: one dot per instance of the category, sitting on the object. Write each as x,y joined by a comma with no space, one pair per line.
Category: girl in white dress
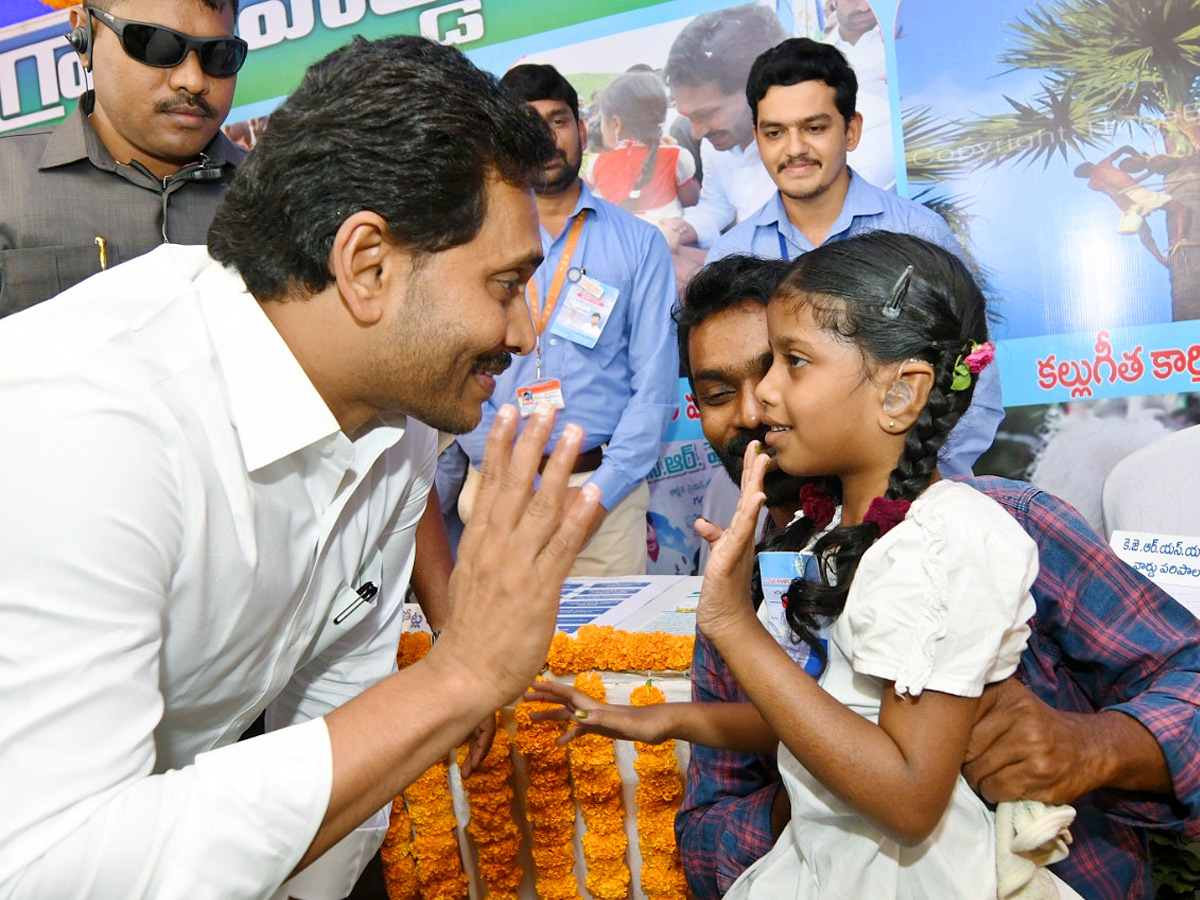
923,597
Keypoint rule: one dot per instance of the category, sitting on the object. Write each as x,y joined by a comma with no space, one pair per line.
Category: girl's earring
892,424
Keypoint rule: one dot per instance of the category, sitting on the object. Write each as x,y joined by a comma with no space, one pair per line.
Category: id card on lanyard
549,390
776,571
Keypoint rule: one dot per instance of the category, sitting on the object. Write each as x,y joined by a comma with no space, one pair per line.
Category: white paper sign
1169,560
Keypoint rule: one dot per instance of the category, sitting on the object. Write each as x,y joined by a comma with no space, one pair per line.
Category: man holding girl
1116,657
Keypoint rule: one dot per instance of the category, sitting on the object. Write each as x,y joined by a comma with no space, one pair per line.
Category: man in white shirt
212,471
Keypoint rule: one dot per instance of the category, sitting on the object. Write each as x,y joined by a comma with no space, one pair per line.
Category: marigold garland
399,867
492,827
604,648
430,866
549,803
435,844
597,783
659,792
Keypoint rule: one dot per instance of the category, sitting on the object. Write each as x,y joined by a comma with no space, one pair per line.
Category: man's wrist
1123,754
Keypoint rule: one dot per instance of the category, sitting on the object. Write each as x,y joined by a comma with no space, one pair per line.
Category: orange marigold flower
608,885
646,695
605,846
399,866
413,646
563,887
561,657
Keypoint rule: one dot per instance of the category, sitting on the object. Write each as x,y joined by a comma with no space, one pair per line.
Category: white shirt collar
272,403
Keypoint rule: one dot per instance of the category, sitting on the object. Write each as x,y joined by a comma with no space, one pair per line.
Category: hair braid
635,194
928,434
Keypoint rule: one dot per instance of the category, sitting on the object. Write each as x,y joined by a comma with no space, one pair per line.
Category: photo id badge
548,390
776,571
586,307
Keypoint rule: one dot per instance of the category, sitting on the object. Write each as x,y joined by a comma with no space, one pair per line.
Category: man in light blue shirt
620,386
802,98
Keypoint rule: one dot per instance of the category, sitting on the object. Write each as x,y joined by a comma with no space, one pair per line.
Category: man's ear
582,133
906,395
365,263
854,131
80,35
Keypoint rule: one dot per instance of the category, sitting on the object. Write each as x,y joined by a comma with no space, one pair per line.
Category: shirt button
553,342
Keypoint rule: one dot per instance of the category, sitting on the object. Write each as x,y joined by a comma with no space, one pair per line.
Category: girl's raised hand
725,596
588,716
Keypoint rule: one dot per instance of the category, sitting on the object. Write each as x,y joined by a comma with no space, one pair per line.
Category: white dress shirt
183,525
734,186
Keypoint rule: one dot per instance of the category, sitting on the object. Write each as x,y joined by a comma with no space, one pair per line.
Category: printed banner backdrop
1061,140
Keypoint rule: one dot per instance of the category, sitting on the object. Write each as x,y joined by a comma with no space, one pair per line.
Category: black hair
639,99
401,126
720,46
801,59
727,282
845,285
530,82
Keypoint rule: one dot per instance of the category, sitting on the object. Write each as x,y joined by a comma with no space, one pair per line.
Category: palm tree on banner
1112,67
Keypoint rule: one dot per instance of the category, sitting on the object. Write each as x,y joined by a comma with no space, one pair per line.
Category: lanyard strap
541,317
783,253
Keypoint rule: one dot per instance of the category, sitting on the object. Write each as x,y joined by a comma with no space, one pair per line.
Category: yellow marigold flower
605,846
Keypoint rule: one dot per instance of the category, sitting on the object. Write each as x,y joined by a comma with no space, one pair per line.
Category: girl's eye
796,362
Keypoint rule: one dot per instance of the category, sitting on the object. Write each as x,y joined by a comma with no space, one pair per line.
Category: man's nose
519,336
749,409
189,75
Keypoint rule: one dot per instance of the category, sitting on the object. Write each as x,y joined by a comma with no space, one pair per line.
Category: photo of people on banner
1060,141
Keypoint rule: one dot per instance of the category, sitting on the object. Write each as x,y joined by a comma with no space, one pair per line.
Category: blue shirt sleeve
636,440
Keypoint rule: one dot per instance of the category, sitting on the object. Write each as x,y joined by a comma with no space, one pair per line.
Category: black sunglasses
165,48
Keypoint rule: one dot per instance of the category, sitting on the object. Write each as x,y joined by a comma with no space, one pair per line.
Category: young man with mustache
140,162
620,385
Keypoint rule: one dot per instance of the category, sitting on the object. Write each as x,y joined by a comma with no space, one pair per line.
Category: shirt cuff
613,485
333,875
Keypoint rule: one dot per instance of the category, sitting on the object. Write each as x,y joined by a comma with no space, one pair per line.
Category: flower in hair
886,514
817,505
971,363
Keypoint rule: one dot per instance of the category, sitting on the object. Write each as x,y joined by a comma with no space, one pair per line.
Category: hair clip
895,300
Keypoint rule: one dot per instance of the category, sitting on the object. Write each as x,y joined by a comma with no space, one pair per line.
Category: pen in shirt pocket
102,246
